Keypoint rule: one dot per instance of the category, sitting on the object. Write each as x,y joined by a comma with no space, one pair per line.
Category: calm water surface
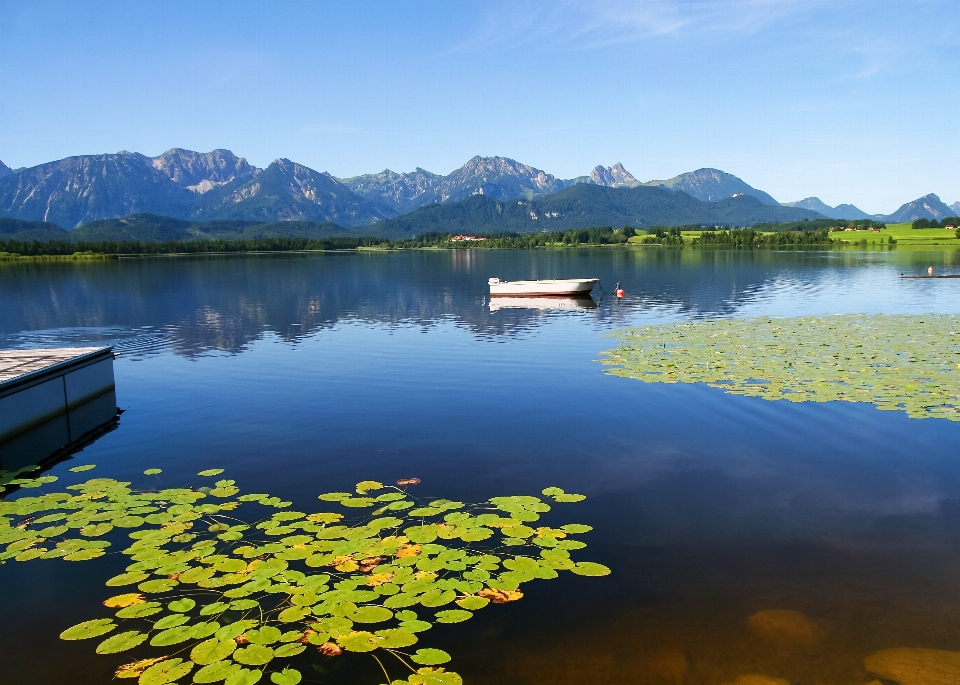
305,374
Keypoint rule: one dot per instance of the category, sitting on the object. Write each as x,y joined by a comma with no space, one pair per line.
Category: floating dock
53,401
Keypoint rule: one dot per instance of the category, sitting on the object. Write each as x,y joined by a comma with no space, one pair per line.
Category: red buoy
619,292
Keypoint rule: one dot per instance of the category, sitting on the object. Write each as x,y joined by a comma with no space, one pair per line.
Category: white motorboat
567,303
546,288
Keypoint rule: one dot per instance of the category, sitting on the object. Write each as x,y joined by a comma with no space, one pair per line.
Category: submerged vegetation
907,363
227,600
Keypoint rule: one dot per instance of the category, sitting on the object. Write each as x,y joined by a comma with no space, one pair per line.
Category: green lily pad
236,629
589,568
359,641
121,642
473,602
430,657
213,609
253,655
173,636
212,650
210,472
422,534
30,554
574,528
166,671
289,649
88,629
437,598
140,610
288,676
267,635
415,626
182,605
152,472
371,614
453,616
157,586
434,676
395,638
130,578
244,676
82,468
217,671
96,530
171,621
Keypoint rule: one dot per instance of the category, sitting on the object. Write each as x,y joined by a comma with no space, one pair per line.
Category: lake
303,374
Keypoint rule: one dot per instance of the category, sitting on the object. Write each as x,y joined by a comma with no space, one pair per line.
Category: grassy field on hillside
904,235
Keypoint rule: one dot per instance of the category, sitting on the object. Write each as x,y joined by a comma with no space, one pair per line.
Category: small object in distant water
408,481
618,291
930,271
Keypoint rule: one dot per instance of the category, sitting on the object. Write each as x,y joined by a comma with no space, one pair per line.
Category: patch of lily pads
907,363
226,596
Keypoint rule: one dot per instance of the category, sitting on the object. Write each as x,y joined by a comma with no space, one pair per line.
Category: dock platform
52,400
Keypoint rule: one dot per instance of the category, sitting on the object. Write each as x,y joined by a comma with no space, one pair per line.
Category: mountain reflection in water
193,305
788,541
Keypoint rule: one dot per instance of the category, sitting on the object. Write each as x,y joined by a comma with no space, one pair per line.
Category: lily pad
140,610
157,586
253,655
589,568
267,635
371,614
210,472
289,649
430,657
88,629
473,602
217,671
171,621
166,672
434,676
173,636
244,676
453,616
130,578
121,642
152,472
359,641
82,468
182,605
212,650
126,600
396,638
288,676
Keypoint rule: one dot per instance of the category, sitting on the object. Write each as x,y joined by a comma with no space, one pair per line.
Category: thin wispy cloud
604,23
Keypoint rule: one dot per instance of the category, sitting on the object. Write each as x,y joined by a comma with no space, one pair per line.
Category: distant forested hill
154,228
586,205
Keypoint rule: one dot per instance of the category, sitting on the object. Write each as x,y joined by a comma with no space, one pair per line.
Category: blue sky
849,101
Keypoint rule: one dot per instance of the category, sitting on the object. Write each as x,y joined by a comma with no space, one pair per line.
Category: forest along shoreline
796,235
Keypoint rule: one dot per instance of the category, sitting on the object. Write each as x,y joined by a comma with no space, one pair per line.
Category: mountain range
843,211
219,186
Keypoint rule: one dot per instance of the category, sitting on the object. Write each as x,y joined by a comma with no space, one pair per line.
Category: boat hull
546,288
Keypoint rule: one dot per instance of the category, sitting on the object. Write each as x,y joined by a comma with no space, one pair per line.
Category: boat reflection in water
545,303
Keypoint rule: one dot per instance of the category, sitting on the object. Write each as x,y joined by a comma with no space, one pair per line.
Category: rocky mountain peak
5,170
615,176
202,171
